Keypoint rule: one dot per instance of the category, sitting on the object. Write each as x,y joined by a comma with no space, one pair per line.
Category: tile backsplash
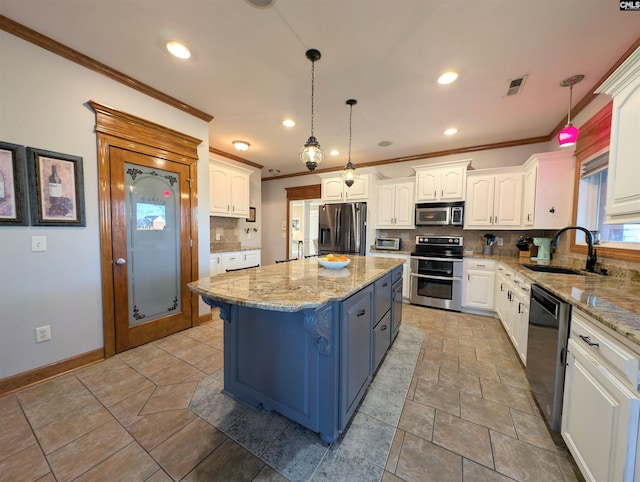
224,232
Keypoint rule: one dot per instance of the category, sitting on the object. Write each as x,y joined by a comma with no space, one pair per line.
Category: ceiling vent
516,85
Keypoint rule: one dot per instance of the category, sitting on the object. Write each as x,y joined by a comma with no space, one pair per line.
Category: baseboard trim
37,375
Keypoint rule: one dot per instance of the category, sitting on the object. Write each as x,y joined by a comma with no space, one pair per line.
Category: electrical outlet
500,241
43,333
38,243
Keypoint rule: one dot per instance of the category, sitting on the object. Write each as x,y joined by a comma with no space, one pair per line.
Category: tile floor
449,403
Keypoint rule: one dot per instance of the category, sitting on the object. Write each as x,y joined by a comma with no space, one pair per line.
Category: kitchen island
303,340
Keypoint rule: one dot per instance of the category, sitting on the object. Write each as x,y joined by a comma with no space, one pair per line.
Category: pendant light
349,175
569,135
311,155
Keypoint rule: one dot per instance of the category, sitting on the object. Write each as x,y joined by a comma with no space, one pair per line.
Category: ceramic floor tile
72,426
268,474
212,363
532,429
128,410
159,476
185,449
427,370
524,462
296,453
417,419
473,472
77,457
485,412
370,438
514,376
257,430
151,430
465,438
423,461
438,396
460,380
383,404
147,359
513,397
177,371
480,369
445,360
27,464
230,461
130,464
342,464
462,350
169,397
15,431
394,451
219,410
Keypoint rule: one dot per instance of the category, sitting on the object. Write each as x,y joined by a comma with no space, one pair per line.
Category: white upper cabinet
395,204
548,190
623,189
334,190
229,190
494,199
441,182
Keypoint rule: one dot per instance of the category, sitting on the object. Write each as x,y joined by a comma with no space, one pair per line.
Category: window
591,212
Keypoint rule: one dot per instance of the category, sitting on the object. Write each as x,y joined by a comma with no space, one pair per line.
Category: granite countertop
612,301
294,286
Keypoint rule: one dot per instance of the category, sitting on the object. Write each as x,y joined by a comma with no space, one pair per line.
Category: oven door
436,283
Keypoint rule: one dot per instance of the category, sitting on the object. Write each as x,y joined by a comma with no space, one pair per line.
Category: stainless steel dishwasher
549,319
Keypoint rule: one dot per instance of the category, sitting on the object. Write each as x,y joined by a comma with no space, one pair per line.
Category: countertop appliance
392,244
436,272
342,228
440,214
549,319
544,249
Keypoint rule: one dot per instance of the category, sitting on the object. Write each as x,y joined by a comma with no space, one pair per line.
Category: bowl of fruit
333,261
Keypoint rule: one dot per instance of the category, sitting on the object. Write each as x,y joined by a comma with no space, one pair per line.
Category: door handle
121,261
361,313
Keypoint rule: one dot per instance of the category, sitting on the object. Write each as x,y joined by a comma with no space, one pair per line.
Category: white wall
42,104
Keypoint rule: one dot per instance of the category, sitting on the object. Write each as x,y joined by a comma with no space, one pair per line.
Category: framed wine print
56,188
252,215
13,201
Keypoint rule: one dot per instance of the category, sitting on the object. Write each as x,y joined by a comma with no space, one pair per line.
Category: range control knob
450,240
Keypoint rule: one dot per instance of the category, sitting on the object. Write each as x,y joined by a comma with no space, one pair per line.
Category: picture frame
252,215
295,224
56,188
13,180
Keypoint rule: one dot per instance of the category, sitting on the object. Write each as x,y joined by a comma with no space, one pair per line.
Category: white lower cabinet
221,262
478,283
601,403
251,258
512,305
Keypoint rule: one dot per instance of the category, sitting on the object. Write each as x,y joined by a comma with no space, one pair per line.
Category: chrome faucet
591,254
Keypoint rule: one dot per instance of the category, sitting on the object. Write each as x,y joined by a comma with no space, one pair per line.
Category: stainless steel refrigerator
342,228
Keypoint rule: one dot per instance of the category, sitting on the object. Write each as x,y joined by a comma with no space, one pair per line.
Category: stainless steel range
436,272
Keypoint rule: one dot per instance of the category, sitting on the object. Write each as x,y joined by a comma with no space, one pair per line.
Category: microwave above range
440,214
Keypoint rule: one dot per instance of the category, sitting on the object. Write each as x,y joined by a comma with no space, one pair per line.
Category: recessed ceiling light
451,131
178,50
447,77
385,143
288,123
334,153
241,145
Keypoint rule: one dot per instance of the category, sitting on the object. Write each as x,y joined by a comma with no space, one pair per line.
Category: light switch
38,243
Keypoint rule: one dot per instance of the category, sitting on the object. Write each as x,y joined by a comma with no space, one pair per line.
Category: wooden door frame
298,193
121,130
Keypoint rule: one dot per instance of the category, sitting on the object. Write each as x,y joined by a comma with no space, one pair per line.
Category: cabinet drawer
382,296
396,274
600,345
381,340
484,264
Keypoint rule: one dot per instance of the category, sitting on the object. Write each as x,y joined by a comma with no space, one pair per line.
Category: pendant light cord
570,97
313,68
350,113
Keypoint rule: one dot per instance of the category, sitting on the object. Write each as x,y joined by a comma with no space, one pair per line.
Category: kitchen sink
552,269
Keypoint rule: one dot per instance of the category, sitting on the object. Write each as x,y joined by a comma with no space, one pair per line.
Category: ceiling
249,69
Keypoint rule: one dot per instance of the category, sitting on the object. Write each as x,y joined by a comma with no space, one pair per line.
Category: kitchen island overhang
303,340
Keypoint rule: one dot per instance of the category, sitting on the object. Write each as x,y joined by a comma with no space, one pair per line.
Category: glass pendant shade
568,136
349,174
311,154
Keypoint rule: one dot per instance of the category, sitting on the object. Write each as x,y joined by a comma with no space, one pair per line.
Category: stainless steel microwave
440,214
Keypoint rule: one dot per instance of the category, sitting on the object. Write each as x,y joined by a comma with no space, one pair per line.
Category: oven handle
449,260
445,278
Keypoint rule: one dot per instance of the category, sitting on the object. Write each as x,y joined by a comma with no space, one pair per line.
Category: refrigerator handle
338,220
356,228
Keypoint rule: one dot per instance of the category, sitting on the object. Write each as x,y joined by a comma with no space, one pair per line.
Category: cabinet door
479,204
480,289
251,258
239,194
428,185
529,198
521,319
386,205
508,200
214,264
452,184
219,190
231,260
333,189
355,350
359,191
599,418
404,205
